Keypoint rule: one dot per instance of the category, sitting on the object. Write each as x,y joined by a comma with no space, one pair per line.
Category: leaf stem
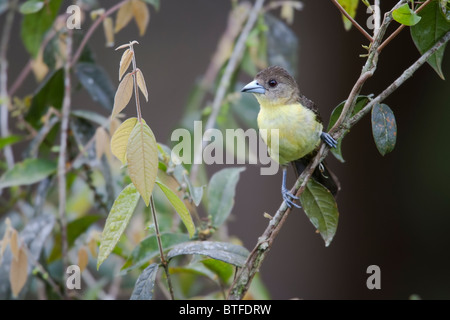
135,85
161,250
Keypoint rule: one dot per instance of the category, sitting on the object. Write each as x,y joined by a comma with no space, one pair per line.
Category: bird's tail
321,174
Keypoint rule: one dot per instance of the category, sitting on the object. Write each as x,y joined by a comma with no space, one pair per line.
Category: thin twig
399,81
354,23
28,66
135,85
235,57
400,28
62,150
161,250
4,114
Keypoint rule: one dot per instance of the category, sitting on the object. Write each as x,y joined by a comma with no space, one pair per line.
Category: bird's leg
328,139
287,196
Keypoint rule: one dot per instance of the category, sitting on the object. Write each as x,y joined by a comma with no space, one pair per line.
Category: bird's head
273,86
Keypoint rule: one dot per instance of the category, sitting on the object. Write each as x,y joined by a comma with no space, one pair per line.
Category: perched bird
299,125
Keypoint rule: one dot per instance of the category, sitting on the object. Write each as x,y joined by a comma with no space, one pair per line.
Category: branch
62,150
400,28
353,21
94,26
399,81
245,275
27,68
235,57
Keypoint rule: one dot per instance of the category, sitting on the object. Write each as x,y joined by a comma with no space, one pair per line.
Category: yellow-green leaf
123,95
119,140
142,158
108,29
350,6
141,15
179,207
141,83
124,16
117,220
125,62
101,141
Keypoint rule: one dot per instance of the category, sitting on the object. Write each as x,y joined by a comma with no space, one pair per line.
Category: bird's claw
329,140
288,198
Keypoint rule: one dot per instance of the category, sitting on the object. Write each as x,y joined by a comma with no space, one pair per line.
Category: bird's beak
254,87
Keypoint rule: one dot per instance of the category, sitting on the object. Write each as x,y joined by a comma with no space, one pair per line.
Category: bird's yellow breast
298,131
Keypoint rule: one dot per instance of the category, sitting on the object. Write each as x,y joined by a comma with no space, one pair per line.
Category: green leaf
119,140
117,220
384,128
220,194
351,7
31,6
97,83
49,93
6,141
223,251
321,209
430,29
148,249
405,15
222,269
145,283
195,192
361,101
142,158
35,25
75,229
27,172
179,207
154,3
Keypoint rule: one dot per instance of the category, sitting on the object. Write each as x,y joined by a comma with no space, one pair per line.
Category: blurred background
394,210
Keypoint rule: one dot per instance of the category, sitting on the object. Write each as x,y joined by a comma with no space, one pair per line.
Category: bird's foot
328,139
289,198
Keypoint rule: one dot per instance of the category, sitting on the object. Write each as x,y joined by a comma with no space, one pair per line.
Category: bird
300,127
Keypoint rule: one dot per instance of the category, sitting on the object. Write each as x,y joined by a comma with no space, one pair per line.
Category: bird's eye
272,83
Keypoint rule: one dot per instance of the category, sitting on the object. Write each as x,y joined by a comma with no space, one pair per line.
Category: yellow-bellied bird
299,125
